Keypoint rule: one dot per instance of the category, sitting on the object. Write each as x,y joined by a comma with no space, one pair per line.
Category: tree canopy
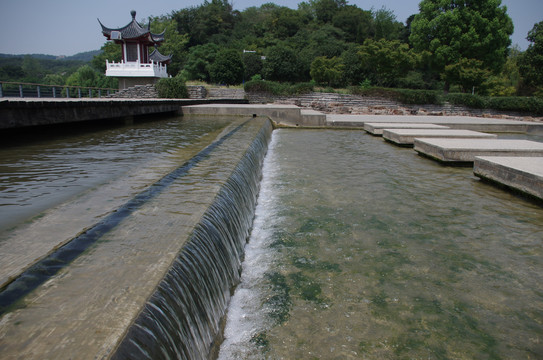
455,30
463,43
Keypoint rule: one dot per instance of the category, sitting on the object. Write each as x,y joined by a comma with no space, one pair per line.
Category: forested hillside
450,45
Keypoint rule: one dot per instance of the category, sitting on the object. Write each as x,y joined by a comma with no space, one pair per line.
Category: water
52,167
364,250
182,319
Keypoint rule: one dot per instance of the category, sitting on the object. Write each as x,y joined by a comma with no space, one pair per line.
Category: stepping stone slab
377,128
406,137
465,150
524,174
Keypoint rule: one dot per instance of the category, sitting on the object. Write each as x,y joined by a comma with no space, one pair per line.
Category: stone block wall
332,103
137,92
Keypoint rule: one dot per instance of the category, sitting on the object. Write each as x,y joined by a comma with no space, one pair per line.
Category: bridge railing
31,90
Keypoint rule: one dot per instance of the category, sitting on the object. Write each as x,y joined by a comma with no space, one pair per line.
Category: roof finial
133,13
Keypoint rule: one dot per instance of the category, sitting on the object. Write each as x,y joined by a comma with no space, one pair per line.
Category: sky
68,27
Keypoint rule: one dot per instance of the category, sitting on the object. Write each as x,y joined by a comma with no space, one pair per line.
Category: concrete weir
465,150
523,174
406,137
89,308
281,115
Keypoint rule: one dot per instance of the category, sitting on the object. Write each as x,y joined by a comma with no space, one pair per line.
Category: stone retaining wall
332,103
137,92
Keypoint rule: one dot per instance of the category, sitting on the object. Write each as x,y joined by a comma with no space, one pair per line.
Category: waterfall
182,318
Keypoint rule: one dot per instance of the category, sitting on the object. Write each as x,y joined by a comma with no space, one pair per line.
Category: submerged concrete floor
84,311
524,174
465,150
406,137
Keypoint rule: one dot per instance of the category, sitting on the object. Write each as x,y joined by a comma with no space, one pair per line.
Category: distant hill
84,56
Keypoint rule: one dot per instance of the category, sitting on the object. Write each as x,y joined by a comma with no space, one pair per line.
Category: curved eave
158,57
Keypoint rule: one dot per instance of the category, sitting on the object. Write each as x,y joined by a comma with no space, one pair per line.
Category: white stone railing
136,69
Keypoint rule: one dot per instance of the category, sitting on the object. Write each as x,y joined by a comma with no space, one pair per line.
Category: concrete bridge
23,113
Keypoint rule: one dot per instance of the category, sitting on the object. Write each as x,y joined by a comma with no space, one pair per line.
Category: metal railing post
54,92
100,93
79,92
38,91
90,92
67,92
1,92
20,90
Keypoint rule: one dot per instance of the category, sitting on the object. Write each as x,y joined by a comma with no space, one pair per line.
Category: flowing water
359,249
364,250
45,169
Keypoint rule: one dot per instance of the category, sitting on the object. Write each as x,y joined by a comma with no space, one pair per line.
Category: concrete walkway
406,137
377,128
465,150
524,174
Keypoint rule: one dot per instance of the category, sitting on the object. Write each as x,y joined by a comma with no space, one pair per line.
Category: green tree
386,25
281,64
468,73
252,63
325,10
356,23
227,67
384,62
32,69
198,61
174,43
353,71
86,76
54,79
110,52
327,71
531,62
204,23
451,30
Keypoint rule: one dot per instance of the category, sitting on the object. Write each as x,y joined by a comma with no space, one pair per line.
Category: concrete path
377,128
406,137
465,150
454,122
524,174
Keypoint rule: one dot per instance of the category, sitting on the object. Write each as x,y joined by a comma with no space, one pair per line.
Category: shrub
472,101
405,96
172,88
277,88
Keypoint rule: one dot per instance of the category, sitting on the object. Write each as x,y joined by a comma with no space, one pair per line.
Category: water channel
359,249
363,250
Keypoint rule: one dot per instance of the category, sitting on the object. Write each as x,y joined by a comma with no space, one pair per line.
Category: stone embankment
329,103
332,103
137,92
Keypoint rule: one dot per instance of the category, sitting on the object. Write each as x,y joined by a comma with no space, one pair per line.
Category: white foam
245,317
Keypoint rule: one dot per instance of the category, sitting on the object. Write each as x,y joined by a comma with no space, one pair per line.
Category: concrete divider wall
87,309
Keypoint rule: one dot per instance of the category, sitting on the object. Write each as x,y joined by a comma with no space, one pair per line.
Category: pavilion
138,66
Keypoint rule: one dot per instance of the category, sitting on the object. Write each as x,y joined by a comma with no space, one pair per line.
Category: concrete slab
465,150
377,128
406,137
524,174
454,122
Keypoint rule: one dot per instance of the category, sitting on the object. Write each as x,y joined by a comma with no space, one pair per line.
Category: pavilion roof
133,30
158,57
